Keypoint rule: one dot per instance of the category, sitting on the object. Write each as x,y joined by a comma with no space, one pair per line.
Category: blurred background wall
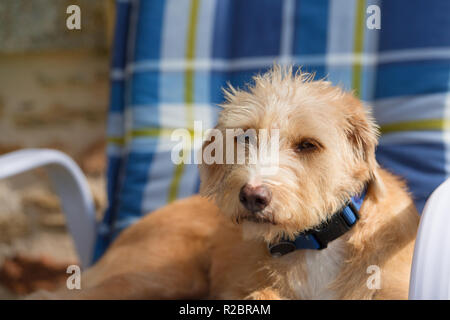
54,87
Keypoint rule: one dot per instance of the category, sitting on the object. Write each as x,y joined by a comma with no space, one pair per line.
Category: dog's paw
264,294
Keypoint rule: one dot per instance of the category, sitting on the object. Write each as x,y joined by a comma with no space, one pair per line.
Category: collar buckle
281,248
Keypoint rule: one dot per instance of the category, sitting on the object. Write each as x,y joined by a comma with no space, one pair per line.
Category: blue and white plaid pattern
172,57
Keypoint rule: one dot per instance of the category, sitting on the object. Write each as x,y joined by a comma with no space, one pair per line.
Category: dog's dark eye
306,146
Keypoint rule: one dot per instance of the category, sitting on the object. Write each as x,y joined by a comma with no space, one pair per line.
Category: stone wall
54,88
40,25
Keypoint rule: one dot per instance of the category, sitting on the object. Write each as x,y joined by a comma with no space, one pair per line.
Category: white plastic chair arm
71,186
430,273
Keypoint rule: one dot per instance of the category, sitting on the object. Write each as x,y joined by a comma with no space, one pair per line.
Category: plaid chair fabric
171,58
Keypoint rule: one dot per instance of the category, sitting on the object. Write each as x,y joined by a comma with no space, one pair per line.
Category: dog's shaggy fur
193,249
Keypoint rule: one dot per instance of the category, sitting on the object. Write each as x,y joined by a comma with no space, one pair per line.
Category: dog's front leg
136,286
265,294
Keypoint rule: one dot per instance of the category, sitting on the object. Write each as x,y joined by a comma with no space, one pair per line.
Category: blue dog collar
319,237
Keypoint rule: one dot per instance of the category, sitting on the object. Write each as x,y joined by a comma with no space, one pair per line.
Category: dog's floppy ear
363,135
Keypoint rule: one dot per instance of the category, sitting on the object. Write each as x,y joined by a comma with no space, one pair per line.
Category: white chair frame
71,186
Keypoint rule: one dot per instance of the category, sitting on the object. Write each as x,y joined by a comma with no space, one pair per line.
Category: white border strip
287,31
168,65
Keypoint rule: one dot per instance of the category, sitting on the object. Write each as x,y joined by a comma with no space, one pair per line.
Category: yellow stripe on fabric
358,45
155,132
188,92
119,141
148,132
416,125
190,55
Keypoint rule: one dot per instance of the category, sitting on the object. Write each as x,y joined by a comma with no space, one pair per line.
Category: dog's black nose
255,198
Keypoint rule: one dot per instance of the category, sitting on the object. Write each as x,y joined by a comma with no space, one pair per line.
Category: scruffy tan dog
194,248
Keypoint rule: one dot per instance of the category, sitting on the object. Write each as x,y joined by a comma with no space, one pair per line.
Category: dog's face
326,154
